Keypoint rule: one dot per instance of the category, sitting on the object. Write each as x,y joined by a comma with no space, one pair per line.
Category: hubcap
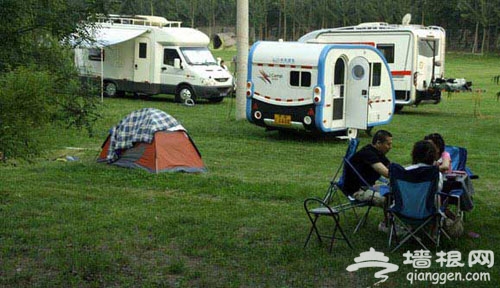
185,94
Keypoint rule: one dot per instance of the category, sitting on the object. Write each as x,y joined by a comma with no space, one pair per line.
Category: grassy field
242,223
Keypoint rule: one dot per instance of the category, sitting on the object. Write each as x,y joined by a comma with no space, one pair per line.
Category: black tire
398,108
184,92
215,100
110,90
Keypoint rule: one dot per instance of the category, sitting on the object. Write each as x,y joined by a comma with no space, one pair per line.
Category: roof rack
142,20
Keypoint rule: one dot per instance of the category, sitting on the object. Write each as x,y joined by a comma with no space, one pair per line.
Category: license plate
280,119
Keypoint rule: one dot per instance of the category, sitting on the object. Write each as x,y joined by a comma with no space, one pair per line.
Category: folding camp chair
315,208
459,160
415,205
462,194
337,201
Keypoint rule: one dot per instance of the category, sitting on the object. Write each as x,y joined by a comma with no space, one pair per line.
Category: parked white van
151,55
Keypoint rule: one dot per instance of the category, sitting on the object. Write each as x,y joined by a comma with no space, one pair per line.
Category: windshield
198,56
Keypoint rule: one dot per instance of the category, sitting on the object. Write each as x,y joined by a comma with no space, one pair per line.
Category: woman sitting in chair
424,154
443,158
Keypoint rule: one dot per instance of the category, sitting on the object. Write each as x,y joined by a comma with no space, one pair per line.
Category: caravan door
358,76
142,60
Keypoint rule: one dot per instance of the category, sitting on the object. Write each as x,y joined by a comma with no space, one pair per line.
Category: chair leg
363,219
344,236
313,228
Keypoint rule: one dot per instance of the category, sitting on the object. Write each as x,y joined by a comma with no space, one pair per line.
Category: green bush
24,106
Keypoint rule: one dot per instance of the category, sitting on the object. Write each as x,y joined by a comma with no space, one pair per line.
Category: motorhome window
95,54
300,79
143,50
169,56
426,48
198,56
376,73
388,51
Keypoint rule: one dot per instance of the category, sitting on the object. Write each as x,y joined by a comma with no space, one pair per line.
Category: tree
31,51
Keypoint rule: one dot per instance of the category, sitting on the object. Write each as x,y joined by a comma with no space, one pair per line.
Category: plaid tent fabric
139,126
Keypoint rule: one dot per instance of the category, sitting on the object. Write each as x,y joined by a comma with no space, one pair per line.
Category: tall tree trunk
483,43
476,36
284,20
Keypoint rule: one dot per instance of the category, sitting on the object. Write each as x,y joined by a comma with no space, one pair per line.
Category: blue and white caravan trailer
326,88
415,54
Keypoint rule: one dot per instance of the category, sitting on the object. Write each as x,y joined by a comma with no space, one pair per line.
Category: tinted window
143,50
295,78
298,78
95,54
388,51
305,79
376,73
169,55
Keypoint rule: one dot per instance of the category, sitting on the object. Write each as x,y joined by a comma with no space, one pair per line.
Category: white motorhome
150,55
415,55
326,88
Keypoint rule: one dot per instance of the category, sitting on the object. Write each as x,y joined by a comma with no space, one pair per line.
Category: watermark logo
374,259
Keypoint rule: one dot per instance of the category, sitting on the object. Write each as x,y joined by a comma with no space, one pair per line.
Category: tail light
317,95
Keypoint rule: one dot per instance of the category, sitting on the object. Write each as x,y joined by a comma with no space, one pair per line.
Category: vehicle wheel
216,99
352,133
183,93
110,89
398,108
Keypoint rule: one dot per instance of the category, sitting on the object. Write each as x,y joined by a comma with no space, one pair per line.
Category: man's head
423,151
382,141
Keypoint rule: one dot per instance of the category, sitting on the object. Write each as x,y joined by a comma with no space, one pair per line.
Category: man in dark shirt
370,162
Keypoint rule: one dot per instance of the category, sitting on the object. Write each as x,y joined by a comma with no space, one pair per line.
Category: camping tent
152,140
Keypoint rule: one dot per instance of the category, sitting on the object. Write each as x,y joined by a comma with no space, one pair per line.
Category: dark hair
381,136
438,140
423,152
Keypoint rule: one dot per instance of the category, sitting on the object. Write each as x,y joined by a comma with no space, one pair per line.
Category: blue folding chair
459,165
459,160
415,205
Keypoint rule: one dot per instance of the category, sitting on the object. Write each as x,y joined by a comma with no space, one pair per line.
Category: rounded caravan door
356,100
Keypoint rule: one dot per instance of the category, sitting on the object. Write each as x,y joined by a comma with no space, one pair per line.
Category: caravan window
376,73
300,78
388,51
169,56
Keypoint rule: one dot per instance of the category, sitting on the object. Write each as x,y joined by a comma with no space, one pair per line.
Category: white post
102,74
242,46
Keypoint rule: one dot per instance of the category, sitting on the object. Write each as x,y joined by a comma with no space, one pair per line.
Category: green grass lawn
242,223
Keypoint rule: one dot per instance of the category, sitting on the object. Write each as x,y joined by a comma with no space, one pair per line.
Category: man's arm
381,169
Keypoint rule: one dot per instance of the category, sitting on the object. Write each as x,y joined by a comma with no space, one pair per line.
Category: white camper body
415,54
326,88
150,55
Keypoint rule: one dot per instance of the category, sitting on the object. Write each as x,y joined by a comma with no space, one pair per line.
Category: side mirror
177,63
